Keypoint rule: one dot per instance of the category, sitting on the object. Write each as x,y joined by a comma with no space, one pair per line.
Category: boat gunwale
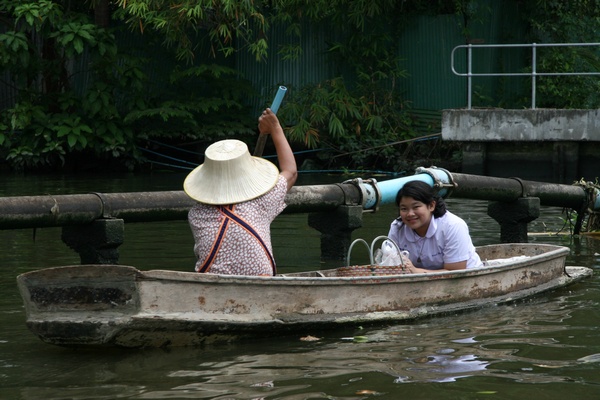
534,261
554,252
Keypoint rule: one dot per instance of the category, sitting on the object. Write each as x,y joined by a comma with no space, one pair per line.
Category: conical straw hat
230,175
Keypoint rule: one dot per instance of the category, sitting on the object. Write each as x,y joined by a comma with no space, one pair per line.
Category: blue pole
262,138
278,99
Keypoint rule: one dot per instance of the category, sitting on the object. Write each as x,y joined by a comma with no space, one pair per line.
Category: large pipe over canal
78,209
490,188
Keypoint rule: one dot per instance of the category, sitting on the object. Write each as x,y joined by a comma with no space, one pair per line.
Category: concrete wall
549,145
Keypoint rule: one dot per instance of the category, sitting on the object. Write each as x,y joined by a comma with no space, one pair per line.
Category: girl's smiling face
416,215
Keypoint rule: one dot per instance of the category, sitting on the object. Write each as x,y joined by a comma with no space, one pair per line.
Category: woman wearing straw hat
238,197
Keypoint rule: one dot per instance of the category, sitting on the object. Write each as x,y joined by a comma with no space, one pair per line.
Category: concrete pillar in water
474,156
565,161
336,230
97,242
513,217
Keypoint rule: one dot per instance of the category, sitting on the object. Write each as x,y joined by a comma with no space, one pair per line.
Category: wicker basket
371,270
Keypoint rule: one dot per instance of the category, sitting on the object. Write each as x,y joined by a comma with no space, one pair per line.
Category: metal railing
533,74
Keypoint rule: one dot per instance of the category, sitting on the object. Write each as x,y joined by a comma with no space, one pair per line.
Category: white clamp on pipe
370,197
442,179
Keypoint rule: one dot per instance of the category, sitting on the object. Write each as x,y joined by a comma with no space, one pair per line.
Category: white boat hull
120,305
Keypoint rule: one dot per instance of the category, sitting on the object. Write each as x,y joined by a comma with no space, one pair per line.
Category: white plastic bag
388,255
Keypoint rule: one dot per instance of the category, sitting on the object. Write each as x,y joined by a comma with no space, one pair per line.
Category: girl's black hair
424,193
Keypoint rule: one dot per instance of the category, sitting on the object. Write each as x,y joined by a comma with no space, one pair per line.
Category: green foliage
360,110
224,22
75,91
76,94
201,103
554,21
50,117
351,123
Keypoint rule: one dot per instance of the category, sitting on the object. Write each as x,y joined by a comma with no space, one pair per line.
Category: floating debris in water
357,339
590,359
268,384
367,392
548,366
310,338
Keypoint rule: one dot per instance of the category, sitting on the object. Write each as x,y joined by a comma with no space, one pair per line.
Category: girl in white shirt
435,238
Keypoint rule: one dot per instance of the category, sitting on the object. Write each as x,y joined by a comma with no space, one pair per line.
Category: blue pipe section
389,189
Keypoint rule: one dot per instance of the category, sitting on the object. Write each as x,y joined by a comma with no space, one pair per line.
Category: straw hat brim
231,186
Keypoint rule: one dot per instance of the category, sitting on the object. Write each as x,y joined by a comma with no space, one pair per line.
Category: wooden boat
123,306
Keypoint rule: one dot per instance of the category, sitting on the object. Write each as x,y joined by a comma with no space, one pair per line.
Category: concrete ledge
489,125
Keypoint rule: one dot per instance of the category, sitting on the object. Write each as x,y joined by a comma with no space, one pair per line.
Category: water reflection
531,342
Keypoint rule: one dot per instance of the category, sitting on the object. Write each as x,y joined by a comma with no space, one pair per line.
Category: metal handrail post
533,74
469,73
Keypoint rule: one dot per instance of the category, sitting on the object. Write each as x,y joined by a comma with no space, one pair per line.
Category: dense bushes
92,80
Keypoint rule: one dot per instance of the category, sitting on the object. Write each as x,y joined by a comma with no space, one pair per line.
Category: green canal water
547,347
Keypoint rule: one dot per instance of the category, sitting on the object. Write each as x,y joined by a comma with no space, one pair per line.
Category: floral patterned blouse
240,252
